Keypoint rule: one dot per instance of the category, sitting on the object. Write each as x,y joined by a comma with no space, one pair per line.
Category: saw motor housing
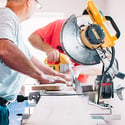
92,36
98,18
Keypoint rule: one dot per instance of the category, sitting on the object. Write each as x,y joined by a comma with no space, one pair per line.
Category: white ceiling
2,2
68,7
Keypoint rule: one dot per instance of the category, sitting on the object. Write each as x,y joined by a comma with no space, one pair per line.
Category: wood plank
49,87
61,110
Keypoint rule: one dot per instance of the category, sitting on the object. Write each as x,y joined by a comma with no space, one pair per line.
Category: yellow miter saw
91,44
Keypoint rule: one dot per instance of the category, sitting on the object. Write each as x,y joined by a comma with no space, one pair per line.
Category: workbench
61,110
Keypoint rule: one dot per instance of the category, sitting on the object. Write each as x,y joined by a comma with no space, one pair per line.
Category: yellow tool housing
99,19
63,59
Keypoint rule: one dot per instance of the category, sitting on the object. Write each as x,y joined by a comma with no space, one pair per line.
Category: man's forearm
15,59
47,70
44,68
39,43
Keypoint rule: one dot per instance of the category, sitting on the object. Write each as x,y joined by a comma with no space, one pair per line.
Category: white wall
2,3
116,9
68,7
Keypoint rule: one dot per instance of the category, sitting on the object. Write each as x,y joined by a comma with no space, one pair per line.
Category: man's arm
47,70
37,42
15,59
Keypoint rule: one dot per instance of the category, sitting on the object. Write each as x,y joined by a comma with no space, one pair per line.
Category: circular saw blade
73,45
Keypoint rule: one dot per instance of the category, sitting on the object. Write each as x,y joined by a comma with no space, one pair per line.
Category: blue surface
16,108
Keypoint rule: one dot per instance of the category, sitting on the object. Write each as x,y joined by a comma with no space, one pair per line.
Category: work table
61,110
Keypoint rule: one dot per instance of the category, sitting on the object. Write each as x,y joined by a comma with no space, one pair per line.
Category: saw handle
46,61
114,25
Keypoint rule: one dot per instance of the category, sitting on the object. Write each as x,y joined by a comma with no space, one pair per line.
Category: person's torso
10,80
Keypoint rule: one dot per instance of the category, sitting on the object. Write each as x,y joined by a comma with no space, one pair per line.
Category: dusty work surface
60,110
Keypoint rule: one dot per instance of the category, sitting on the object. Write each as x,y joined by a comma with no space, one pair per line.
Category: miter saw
91,44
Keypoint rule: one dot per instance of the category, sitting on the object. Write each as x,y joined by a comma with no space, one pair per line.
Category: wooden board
49,87
64,110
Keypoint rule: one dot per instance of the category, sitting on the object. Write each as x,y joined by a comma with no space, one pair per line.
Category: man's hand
46,79
52,55
66,76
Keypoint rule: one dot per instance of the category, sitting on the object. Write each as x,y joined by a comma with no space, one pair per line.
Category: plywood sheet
49,87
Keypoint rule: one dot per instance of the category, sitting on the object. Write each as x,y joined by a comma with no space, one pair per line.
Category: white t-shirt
10,80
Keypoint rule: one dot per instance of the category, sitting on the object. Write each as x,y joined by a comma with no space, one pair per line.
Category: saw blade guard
73,44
